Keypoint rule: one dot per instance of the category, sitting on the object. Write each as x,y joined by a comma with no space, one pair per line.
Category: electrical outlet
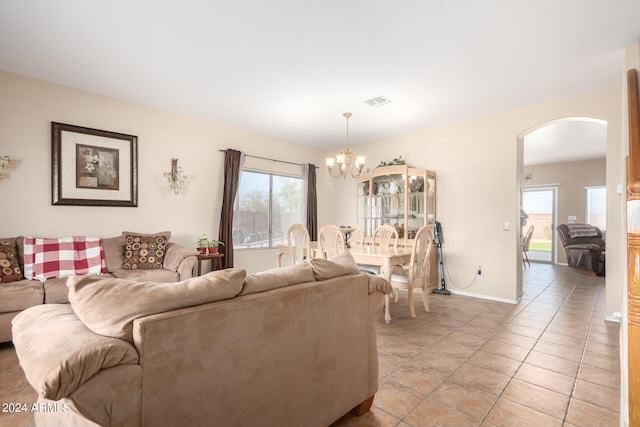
479,272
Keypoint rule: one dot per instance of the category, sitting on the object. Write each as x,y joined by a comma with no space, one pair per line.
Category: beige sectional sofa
294,346
18,295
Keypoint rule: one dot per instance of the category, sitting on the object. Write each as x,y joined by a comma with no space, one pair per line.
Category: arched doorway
568,154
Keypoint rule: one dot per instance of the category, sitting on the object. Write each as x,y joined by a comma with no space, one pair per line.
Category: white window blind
596,207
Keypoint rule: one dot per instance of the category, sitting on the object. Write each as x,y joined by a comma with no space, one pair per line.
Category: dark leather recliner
584,246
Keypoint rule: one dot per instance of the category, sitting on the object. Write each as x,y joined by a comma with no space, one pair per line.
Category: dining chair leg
395,295
425,301
412,310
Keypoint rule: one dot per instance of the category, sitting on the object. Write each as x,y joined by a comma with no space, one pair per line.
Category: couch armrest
180,259
68,353
379,284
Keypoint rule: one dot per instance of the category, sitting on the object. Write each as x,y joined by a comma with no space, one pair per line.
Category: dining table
385,257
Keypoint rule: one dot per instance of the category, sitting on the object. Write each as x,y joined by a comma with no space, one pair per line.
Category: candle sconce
6,163
176,178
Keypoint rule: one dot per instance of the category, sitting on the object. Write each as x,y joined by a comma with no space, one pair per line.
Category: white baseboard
487,297
613,317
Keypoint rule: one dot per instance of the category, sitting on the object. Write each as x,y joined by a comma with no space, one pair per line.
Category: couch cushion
10,270
67,354
108,306
16,296
56,290
61,257
582,230
113,252
339,265
278,278
147,275
144,252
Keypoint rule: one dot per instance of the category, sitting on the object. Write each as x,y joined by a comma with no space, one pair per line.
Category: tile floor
549,361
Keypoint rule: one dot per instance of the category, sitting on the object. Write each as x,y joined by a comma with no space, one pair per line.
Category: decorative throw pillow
339,265
144,251
62,257
165,234
278,278
9,267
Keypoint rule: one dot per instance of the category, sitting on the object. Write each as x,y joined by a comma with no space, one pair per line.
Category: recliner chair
584,246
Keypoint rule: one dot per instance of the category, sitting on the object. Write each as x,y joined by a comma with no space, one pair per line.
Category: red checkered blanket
61,257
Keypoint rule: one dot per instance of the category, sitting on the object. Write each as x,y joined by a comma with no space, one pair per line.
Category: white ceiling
565,141
290,68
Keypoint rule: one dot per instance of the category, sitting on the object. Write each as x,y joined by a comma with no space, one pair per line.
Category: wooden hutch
401,196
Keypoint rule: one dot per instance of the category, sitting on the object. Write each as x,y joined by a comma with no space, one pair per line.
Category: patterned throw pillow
9,267
47,258
142,251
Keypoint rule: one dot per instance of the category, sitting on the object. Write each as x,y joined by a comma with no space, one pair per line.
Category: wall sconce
6,163
175,178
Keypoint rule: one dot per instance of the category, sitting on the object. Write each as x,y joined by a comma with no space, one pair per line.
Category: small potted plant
202,244
213,245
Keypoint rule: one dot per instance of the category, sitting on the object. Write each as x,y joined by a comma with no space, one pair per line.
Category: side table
210,257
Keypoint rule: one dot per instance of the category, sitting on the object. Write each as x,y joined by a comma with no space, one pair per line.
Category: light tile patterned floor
549,361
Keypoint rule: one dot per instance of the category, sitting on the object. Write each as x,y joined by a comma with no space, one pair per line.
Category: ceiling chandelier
346,159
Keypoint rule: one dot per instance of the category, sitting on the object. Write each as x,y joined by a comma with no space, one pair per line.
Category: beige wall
476,162
571,179
27,108
479,167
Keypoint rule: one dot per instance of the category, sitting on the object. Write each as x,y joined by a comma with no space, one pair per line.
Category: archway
569,154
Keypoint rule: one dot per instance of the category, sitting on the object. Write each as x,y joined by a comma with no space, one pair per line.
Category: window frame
270,214
587,198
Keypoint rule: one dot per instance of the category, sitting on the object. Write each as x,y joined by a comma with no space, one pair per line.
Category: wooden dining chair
330,240
526,241
299,243
417,272
357,235
385,235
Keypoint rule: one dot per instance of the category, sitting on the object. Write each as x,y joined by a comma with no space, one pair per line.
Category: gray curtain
311,200
233,163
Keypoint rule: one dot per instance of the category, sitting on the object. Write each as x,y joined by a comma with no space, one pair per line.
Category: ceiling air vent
378,101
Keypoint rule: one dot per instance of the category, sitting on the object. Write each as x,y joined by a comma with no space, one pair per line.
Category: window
266,206
596,207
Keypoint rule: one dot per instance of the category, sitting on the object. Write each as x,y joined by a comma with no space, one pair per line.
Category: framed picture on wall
92,167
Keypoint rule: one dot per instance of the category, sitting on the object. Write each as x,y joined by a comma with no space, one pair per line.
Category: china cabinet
401,196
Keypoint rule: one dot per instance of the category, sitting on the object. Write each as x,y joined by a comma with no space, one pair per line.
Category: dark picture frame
92,167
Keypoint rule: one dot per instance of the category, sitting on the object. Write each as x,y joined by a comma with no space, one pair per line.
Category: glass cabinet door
364,206
416,202
431,198
388,202
400,196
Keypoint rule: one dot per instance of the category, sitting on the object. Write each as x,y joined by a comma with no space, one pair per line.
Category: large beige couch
294,346
18,295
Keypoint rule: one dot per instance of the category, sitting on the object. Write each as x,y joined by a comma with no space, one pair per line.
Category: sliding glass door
540,206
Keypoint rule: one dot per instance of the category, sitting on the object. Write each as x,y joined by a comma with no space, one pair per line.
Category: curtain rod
272,160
